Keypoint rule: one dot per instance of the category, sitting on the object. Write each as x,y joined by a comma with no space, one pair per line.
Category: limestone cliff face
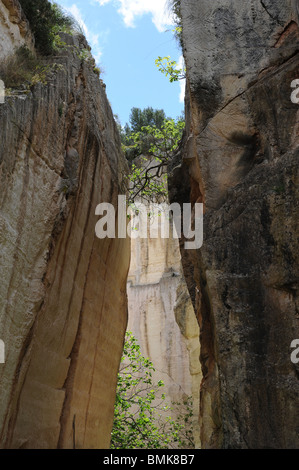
152,284
63,304
14,28
162,318
240,158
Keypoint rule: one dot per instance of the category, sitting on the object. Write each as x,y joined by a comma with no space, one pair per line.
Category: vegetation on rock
23,69
46,21
149,143
170,68
175,6
142,418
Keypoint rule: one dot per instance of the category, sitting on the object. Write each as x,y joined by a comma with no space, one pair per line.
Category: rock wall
14,28
161,317
187,322
63,303
240,158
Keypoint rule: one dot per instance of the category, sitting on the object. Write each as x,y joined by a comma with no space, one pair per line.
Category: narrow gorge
217,322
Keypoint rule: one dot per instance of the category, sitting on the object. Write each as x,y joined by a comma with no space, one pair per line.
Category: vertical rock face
240,158
186,319
152,296
63,304
162,318
14,28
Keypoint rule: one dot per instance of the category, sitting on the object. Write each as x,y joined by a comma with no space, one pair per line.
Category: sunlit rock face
240,158
162,318
63,303
14,28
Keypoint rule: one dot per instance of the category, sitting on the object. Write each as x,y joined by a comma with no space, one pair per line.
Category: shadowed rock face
63,304
240,158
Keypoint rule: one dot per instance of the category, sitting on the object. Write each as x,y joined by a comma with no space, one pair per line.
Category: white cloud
131,9
92,38
74,10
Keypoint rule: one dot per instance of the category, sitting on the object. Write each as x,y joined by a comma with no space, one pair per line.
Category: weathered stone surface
162,318
186,319
14,28
228,49
152,284
63,304
240,158
161,314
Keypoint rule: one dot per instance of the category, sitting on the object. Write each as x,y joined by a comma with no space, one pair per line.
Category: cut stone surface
63,303
240,158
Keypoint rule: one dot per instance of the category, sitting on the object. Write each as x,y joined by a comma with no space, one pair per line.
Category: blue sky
126,37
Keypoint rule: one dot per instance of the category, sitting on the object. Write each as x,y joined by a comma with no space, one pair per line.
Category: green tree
142,419
157,146
140,118
146,117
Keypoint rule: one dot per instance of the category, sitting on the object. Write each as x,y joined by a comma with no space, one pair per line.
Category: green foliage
146,117
84,54
170,68
147,182
157,144
138,120
165,139
167,66
46,21
97,71
18,68
175,6
142,418
24,69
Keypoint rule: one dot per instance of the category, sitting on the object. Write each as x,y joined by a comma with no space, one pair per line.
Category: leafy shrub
170,69
46,21
23,69
175,6
142,418
17,69
20,68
